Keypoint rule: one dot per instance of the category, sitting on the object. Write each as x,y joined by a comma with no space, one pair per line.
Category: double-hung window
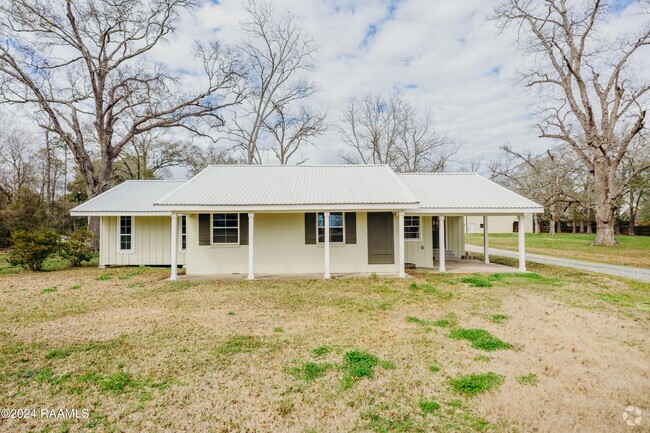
412,227
183,232
126,233
225,228
336,227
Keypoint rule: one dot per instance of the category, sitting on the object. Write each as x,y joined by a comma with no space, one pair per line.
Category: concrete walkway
637,274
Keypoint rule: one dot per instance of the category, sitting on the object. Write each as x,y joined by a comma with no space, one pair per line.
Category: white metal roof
290,187
130,197
465,193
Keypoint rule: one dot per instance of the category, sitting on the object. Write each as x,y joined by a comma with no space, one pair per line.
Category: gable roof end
129,197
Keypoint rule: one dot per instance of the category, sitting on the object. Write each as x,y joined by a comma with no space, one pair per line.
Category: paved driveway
637,274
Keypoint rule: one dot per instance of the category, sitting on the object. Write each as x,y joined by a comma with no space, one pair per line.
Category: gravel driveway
637,274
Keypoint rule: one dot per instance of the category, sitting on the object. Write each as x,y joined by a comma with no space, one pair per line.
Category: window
225,228
183,232
126,233
336,227
412,227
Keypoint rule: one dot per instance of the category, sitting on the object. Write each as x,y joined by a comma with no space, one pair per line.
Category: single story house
278,219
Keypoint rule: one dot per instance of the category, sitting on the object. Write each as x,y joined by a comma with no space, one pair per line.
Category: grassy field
488,353
632,251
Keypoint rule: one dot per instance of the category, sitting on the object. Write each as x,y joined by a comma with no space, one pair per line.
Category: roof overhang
475,211
115,213
287,208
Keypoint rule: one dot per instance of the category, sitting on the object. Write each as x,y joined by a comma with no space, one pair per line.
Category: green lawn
427,353
632,251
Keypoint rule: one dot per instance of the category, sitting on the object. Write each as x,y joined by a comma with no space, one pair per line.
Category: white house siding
497,223
151,240
279,244
420,252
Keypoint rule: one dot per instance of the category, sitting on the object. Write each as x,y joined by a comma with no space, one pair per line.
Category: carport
445,199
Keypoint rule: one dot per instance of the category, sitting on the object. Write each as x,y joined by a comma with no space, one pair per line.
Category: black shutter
310,228
204,229
350,227
243,229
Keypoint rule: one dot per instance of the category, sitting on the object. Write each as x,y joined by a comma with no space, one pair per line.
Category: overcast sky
443,55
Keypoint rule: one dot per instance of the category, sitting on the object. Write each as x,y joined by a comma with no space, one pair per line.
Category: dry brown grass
207,356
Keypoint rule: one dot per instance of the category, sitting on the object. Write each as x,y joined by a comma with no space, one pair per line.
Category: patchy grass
632,251
49,289
529,379
431,289
310,370
321,351
239,344
498,318
428,406
359,365
133,350
105,277
473,384
480,339
476,281
412,319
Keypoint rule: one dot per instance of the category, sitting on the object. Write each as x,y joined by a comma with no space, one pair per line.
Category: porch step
448,254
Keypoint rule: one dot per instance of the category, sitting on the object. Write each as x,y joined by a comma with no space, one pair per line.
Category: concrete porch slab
470,267
309,276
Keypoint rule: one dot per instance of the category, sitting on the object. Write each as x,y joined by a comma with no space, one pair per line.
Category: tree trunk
559,226
573,226
551,226
630,228
538,224
582,226
604,209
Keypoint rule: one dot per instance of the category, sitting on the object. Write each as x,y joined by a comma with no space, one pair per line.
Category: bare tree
594,104
544,178
18,159
150,156
197,158
84,67
387,130
291,132
639,187
277,52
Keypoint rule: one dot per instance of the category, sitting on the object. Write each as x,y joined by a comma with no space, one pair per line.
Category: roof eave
288,207
118,213
476,211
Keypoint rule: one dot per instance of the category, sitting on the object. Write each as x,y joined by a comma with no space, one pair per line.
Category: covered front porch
437,242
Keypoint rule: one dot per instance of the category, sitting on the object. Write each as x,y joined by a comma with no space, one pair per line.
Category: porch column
327,244
251,250
522,247
174,247
400,244
441,243
486,253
